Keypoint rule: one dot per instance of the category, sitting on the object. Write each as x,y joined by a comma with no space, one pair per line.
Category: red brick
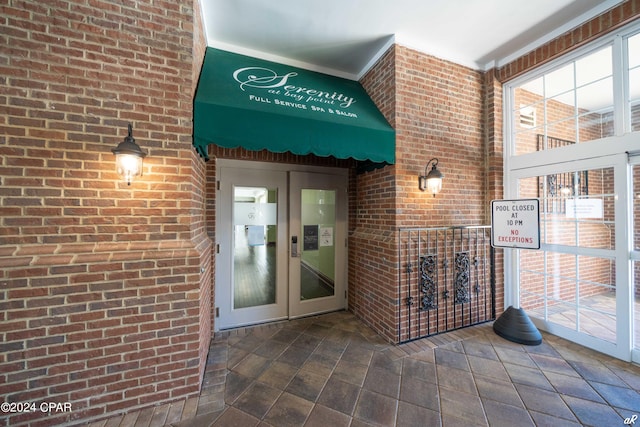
105,398
46,361
87,239
118,406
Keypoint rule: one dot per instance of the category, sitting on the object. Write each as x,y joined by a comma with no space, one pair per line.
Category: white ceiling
345,37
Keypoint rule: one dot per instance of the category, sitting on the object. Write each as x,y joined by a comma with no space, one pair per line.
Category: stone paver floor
332,370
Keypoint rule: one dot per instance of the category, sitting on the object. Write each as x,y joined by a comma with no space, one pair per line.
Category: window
574,102
571,130
528,117
555,189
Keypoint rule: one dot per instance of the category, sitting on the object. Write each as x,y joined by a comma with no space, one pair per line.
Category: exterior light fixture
431,181
565,191
129,158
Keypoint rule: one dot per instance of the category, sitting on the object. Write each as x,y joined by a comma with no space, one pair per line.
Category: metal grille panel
447,280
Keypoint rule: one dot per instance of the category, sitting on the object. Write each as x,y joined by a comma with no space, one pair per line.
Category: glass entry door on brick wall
281,243
318,225
571,137
579,284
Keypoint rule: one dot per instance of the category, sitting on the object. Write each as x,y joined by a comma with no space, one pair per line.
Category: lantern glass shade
129,158
434,184
128,166
432,181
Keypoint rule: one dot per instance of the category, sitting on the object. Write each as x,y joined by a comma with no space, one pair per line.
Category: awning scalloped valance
256,104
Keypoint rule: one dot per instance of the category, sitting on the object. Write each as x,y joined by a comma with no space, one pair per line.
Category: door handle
294,246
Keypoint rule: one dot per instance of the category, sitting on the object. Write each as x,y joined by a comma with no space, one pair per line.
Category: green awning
256,104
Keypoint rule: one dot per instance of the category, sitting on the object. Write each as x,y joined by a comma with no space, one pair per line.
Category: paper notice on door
310,238
255,235
326,236
584,208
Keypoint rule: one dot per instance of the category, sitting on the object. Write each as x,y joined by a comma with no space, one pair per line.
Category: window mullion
620,87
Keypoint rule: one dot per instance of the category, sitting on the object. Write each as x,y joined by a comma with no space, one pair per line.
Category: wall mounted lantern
431,181
129,158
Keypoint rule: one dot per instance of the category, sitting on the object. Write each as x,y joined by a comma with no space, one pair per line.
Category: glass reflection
254,256
317,261
577,210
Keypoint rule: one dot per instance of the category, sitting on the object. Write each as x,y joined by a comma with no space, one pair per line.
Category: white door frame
634,255
224,259
227,315
624,285
311,180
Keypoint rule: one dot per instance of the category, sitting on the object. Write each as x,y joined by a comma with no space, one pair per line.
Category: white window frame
606,152
634,254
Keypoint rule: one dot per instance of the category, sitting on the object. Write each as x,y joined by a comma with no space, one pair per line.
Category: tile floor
332,370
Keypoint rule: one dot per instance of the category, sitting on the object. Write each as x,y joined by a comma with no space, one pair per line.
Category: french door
580,284
281,237
318,225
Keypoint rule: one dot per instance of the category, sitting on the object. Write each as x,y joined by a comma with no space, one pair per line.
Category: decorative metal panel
448,280
461,285
428,284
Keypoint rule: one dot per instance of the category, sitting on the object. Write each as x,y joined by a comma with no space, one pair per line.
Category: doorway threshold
245,329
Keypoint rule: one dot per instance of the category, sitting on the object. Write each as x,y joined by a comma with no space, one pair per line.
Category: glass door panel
596,301
251,260
255,242
264,213
317,263
570,283
317,257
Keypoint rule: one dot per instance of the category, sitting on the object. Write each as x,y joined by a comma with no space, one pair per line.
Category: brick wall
438,110
494,154
103,286
439,114
373,251
199,182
